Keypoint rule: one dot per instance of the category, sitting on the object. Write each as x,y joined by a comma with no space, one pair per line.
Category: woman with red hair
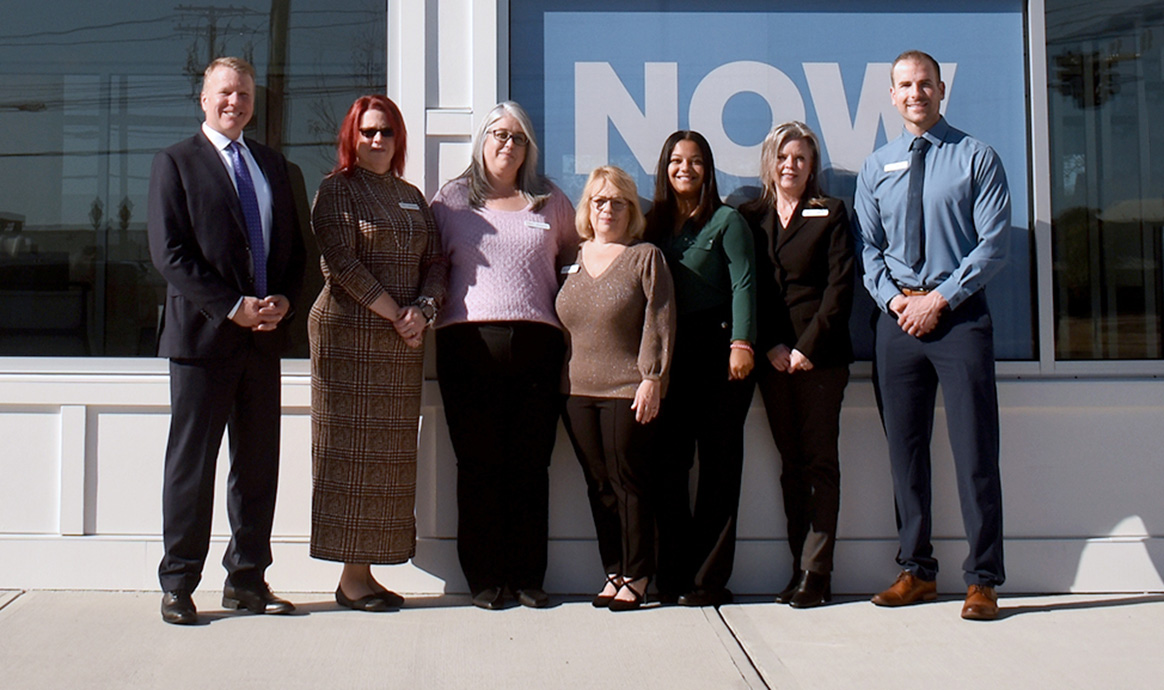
384,278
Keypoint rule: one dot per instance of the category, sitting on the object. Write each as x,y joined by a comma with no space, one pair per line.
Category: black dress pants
500,387
703,412
206,397
804,413
958,354
614,451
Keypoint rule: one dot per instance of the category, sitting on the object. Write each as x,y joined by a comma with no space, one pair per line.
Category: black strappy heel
630,604
601,601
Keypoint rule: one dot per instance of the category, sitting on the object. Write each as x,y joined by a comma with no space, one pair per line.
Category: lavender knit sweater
503,265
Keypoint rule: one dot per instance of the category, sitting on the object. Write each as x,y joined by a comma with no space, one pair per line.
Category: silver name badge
572,268
815,213
893,167
409,206
537,224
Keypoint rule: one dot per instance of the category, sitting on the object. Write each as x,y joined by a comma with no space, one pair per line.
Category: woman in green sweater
710,251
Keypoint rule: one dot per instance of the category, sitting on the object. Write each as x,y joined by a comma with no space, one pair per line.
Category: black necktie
915,227
250,206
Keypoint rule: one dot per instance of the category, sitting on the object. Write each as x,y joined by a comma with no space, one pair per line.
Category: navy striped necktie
254,219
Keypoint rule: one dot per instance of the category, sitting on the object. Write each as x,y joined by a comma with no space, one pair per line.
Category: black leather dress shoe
489,598
178,608
533,598
383,600
814,589
254,599
706,597
785,595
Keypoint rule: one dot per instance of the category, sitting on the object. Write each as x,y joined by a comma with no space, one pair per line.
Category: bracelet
742,346
428,308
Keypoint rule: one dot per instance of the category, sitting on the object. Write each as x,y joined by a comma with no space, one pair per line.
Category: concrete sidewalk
68,639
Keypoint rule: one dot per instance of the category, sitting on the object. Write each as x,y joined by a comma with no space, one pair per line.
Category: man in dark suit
224,233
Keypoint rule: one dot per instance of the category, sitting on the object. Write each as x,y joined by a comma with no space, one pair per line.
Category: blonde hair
625,184
779,136
235,63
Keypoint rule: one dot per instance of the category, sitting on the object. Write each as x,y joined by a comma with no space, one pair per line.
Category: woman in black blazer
804,257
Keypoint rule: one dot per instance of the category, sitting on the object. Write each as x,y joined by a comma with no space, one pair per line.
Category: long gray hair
534,187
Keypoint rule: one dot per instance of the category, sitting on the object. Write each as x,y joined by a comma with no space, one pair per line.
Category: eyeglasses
504,135
616,205
371,132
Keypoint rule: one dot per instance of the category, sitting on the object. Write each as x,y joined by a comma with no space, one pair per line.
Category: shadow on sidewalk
1008,611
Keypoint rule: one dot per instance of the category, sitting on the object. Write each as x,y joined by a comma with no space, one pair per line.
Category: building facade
1071,95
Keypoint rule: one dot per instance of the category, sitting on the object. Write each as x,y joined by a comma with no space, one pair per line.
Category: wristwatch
427,307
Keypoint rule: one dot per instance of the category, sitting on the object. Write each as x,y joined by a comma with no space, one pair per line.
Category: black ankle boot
814,589
785,595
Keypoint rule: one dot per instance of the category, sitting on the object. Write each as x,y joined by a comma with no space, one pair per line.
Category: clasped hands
788,360
410,324
261,313
918,315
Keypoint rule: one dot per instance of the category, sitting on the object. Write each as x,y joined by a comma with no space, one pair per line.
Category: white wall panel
30,464
131,445
454,43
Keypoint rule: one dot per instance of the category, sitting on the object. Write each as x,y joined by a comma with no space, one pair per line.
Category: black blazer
805,281
198,242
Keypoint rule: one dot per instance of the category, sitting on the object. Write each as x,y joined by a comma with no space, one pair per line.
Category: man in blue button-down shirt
925,267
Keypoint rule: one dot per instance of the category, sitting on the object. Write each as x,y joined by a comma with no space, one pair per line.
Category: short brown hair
918,56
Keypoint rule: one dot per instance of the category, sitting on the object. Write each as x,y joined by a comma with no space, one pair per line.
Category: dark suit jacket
805,281
198,241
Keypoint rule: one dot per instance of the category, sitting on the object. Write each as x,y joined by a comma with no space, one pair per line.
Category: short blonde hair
235,63
625,184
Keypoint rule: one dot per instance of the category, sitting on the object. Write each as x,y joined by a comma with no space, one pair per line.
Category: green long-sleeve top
715,265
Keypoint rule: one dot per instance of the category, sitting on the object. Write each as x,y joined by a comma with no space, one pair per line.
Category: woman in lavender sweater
506,230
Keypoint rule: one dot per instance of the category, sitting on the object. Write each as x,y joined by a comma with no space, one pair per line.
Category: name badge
893,167
571,268
537,224
409,206
815,213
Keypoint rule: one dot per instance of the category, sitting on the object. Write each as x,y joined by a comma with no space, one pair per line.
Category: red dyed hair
349,133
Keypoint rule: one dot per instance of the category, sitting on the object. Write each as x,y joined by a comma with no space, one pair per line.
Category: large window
90,91
607,81
1105,64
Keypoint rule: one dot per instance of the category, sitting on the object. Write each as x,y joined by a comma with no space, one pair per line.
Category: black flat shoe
490,598
814,589
630,604
533,598
394,600
601,600
373,602
254,599
178,608
785,595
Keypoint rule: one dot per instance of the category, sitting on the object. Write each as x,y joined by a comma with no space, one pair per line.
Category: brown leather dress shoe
981,603
907,589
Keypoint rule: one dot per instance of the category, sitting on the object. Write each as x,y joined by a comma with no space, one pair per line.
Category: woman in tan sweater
618,311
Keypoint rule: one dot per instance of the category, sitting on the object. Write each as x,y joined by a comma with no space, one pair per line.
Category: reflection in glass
1106,83
89,92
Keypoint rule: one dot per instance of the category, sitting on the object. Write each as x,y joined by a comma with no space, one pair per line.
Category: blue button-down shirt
966,206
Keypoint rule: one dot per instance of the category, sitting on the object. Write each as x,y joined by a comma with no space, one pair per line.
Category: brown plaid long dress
375,234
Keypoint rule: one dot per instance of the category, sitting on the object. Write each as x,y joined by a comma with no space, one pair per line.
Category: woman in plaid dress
384,277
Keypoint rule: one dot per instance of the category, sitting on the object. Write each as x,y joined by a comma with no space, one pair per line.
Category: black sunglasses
370,133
